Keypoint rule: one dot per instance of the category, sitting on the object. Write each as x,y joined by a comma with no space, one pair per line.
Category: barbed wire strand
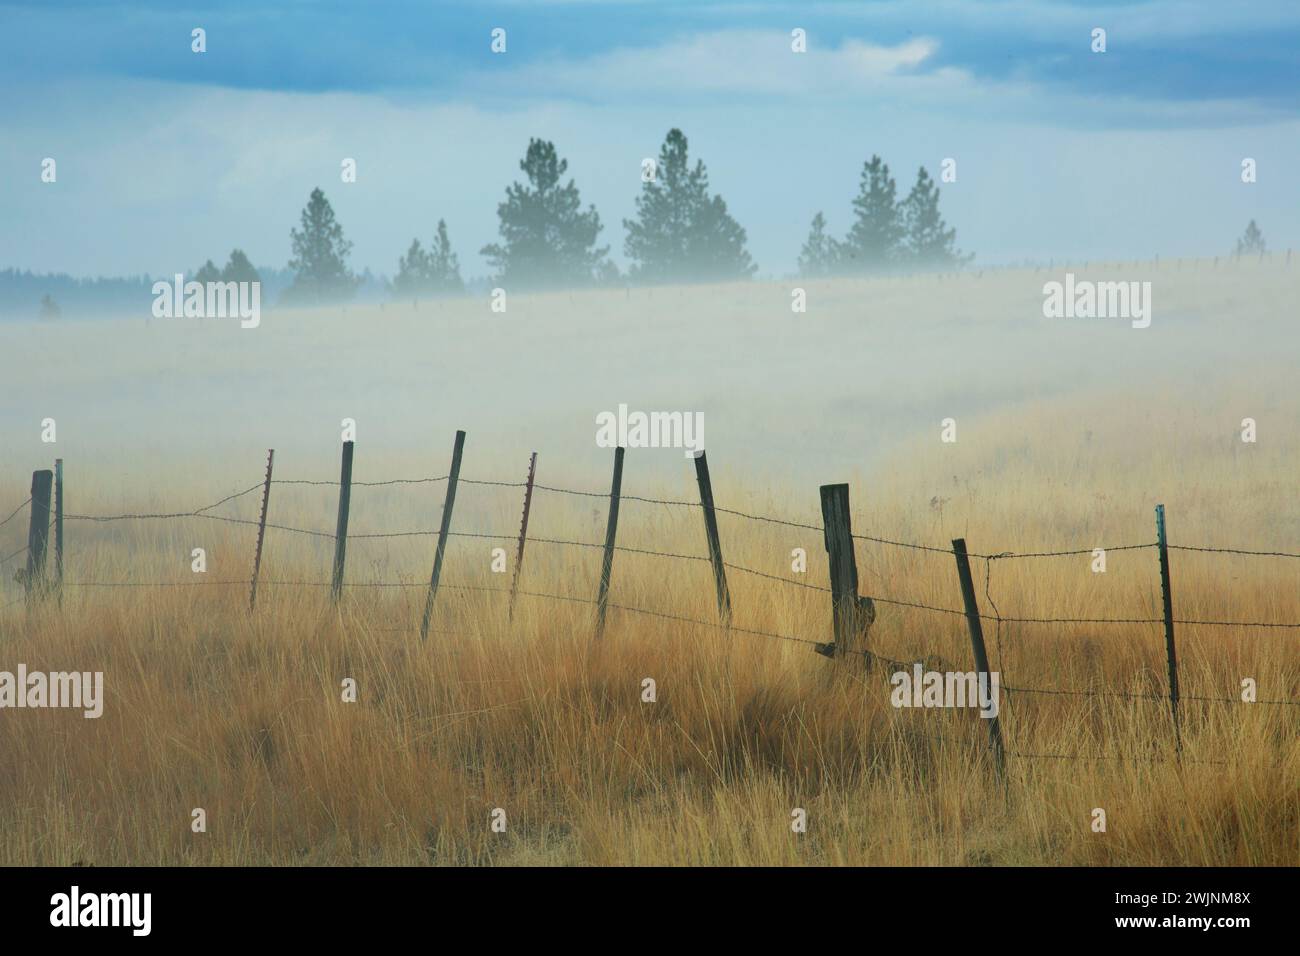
14,513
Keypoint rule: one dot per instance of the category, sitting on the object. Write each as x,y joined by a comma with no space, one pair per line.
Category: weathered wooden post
523,533
444,528
611,531
58,528
711,533
852,615
1167,594
261,529
977,644
341,530
38,535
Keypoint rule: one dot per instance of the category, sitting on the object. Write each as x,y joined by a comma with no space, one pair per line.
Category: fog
789,399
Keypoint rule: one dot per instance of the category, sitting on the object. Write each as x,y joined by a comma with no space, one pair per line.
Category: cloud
727,62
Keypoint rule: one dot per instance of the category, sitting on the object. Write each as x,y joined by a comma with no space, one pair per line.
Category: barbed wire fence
850,612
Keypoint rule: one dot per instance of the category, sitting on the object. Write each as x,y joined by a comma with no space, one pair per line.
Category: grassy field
1067,438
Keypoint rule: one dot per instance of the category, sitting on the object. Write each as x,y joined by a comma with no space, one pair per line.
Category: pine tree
411,270
320,255
239,269
432,272
208,272
443,265
821,253
927,242
547,240
874,242
680,232
1252,243
49,308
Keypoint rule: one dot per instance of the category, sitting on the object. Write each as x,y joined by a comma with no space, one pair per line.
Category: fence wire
726,626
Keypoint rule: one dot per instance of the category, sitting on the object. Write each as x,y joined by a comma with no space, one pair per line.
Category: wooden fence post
1168,597
851,613
611,530
38,535
58,528
261,529
523,533
711,533
977,643
440,549
341,530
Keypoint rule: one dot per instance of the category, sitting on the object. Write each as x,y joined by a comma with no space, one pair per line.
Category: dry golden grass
1068,435
207,707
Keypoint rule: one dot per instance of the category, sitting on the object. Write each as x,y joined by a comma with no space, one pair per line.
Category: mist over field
793,399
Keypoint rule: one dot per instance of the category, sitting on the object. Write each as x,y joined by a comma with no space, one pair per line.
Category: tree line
886,234
682,232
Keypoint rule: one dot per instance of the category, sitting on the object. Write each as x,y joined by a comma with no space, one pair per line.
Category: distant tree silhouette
432,272
49,308
411,269
547,239
927,240
886,234
821,253
239,269
208,272
1252,242
444,266
874,242
320,256
680,231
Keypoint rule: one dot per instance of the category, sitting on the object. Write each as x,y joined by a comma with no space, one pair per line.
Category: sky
167,157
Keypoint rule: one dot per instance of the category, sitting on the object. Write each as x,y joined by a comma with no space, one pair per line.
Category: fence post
38,535
440,549
849,611
58,528
977,643
341,530
1168,597
261,529
711,533
611,529
523,532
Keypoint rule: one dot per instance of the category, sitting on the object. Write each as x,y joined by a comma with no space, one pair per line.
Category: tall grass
242,715
1068,435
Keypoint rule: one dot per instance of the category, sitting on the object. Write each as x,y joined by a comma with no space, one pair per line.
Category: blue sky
167,157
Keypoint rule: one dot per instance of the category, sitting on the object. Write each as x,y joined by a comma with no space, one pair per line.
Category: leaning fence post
711,533
341,530
849,611
977,644
611,530
58,528
1167,595
38,535
261,529
444,528
523,532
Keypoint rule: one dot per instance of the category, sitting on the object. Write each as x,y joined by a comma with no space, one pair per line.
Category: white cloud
744,62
